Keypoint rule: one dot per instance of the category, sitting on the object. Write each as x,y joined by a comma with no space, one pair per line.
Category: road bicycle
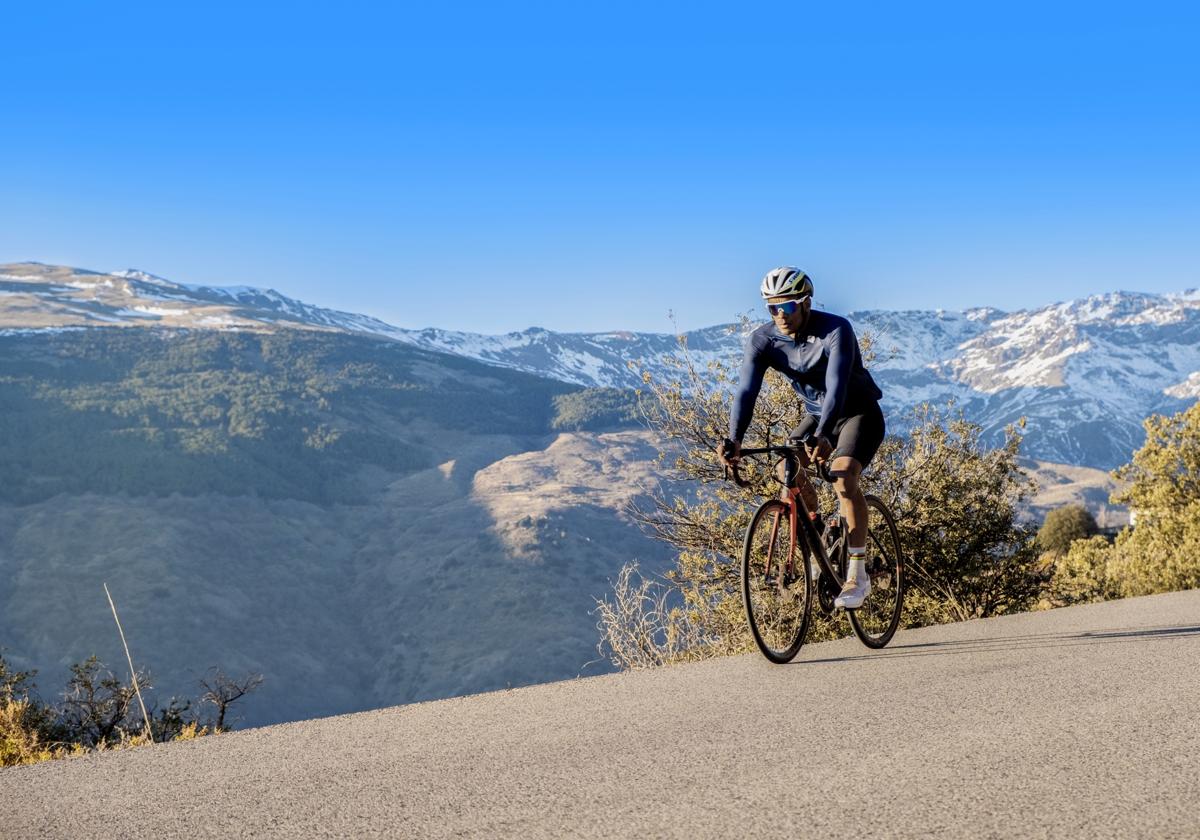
778,580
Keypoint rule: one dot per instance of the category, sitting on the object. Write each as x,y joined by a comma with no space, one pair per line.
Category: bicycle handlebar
820,468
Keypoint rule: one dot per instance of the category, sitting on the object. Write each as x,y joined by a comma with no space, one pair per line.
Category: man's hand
729,452
820,450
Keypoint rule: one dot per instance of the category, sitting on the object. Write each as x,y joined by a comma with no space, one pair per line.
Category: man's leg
845,471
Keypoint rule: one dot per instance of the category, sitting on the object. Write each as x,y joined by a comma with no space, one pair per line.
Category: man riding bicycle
818,353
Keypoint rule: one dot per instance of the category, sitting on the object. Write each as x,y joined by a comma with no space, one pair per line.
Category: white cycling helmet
786,281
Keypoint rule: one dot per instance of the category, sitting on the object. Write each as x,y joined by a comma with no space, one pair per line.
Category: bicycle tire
777,608
875,622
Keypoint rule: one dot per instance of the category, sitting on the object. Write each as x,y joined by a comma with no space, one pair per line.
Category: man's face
789,323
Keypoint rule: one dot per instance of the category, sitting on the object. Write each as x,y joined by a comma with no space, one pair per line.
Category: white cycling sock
857,563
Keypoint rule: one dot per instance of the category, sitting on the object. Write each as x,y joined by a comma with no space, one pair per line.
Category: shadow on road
1010,643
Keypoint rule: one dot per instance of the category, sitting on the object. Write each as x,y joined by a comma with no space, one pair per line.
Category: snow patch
39,330
1187,390
84,282
221,321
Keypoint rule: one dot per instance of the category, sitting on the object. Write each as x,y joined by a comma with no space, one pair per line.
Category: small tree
1063,526
98,705
172,720
222,691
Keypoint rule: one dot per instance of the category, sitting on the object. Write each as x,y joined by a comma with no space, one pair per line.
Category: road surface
1081,722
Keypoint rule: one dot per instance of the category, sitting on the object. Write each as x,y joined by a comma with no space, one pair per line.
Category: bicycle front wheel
875,622
776,587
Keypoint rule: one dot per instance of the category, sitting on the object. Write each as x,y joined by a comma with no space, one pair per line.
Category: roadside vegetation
98,711
956,501
1161,551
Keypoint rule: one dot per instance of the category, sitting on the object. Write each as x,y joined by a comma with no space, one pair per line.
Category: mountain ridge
1085,372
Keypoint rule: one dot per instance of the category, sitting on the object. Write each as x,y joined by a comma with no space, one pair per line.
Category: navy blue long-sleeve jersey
824,366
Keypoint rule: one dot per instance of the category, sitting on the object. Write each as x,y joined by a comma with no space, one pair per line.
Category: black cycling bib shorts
858,435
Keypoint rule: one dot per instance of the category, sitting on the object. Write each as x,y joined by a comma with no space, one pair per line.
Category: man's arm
837,378
749,383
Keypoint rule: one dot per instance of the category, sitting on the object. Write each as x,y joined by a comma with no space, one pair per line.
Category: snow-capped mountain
1084,372
37,296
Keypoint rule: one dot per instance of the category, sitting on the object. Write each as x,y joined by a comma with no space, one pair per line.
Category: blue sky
492,167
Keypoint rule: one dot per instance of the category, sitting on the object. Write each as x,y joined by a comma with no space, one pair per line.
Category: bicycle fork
786,571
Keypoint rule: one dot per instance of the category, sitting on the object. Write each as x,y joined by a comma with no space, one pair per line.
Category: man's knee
845,472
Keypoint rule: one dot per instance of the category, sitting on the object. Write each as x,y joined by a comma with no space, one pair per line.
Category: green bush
1161,552
1064,526
1081,574
956,503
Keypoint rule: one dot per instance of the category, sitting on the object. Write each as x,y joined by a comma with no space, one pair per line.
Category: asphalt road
1083,722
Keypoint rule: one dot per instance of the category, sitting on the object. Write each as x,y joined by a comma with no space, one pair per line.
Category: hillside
331,510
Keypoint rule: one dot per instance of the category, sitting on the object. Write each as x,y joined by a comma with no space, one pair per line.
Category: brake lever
737,476
822,467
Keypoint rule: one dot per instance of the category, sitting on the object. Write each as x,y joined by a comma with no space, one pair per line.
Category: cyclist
818,353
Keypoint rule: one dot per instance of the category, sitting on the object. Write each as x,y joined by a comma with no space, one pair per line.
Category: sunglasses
788,307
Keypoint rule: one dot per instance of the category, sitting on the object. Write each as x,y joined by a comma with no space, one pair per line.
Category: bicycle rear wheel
875,622
776,587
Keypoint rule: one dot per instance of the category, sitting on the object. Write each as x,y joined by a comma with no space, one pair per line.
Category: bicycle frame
798,516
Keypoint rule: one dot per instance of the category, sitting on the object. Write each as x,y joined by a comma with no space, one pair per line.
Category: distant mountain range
1084,372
